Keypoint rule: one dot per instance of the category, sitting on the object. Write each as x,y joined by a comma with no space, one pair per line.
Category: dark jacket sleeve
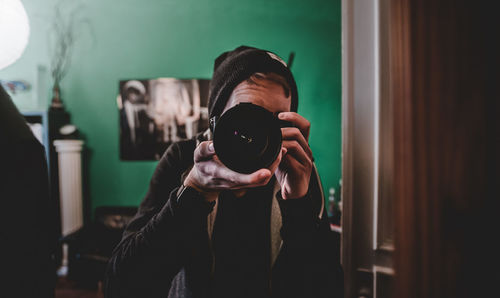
156,243
309,262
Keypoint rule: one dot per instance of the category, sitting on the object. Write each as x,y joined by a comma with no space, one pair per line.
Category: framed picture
157,112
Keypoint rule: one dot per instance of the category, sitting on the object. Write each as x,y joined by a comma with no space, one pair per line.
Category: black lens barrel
247,137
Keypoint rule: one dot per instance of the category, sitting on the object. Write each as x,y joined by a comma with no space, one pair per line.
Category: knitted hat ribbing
233,67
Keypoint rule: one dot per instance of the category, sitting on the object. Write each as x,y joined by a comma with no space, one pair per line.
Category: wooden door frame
363,258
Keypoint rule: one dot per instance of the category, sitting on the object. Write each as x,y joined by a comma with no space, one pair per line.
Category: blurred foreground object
27,251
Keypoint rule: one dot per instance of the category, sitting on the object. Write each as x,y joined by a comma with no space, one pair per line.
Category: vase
56,98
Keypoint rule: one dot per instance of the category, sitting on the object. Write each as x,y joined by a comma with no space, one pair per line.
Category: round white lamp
14,31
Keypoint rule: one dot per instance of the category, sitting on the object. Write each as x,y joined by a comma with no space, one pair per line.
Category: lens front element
247,138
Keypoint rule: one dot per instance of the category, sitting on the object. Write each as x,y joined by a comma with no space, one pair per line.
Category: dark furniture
90,247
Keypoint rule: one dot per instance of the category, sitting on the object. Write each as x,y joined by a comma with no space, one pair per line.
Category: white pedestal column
70,190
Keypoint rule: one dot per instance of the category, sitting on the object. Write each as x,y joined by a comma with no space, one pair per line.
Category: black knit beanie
232,68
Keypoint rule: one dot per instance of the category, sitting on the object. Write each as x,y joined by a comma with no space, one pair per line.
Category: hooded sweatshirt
258,245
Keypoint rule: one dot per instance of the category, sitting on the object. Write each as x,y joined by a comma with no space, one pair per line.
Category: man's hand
209,176
294,171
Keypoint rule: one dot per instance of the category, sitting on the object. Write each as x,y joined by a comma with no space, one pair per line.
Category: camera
247,137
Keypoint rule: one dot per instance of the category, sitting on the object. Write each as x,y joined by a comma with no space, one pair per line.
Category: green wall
165,38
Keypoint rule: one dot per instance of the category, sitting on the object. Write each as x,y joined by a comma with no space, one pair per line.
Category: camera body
247,137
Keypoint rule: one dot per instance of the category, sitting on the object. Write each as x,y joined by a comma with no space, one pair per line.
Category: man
137,128
204,230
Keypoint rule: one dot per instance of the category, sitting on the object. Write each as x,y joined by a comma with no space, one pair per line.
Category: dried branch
64,36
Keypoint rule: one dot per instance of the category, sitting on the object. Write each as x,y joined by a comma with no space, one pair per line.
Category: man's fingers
289,162
300,122
293,133
296,150
219,176
243,180
204,151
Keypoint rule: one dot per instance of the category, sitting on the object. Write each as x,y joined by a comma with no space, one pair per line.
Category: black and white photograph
157,112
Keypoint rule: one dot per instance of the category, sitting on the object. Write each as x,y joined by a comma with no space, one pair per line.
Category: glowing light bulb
14,31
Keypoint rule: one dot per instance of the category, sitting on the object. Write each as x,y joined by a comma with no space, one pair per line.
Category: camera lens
247,137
